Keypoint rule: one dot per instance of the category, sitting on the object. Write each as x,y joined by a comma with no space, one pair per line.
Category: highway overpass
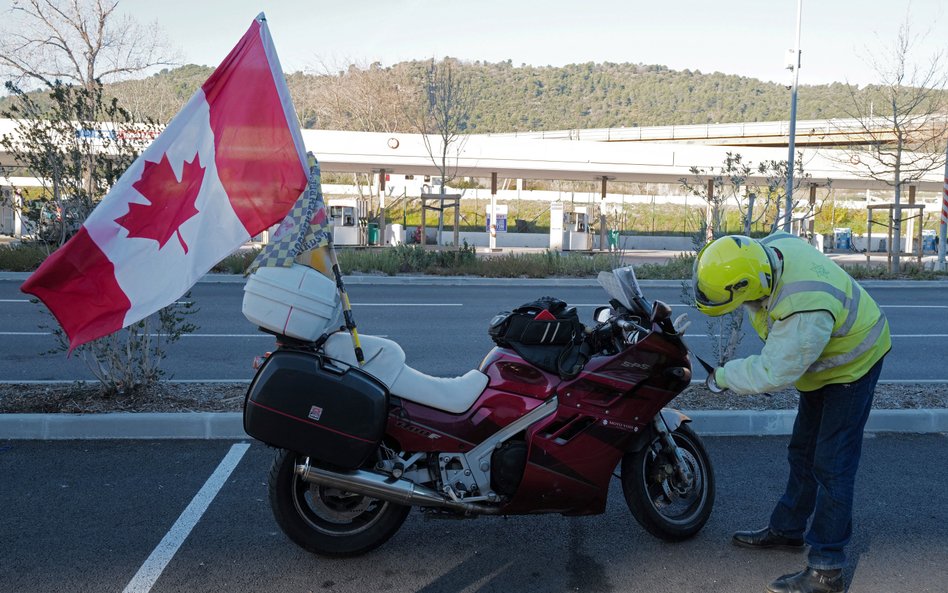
825,133
656,156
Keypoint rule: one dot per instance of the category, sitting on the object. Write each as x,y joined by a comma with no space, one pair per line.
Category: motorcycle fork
682,471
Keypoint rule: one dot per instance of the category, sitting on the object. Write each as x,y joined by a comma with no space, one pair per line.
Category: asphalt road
87,516
443,329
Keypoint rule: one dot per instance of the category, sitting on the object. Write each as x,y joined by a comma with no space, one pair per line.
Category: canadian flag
228,166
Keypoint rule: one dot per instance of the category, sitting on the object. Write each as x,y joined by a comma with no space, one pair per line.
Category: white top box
298,301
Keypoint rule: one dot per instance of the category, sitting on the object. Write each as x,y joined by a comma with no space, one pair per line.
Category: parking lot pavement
87,516
83,516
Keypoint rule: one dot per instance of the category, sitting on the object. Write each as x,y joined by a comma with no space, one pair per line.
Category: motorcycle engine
507,465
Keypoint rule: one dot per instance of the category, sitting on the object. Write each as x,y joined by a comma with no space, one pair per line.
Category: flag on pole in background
228,166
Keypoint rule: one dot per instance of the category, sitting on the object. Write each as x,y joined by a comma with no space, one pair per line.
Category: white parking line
688,336
149,572
256,335
407,304
919,336
687,305
26,333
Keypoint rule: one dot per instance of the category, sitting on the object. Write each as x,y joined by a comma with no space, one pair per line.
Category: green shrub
413,259
237,262
880,272
676,268
408,259
22,257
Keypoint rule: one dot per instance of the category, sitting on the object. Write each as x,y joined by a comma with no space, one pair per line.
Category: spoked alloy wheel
664,505
325,520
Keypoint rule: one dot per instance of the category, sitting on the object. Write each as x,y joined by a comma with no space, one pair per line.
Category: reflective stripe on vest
863,347
851,304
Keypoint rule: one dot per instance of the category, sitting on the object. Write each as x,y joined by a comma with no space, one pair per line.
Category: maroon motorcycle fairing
573,453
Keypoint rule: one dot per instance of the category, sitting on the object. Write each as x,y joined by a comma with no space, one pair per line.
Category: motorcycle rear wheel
666,508
329,521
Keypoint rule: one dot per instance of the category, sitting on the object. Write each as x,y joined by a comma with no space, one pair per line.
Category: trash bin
372,232
928,240
843,238
613,240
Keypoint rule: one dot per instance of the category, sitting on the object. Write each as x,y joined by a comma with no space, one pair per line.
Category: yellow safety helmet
731,271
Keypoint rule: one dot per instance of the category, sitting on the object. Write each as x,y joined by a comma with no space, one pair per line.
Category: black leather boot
766,539
811,580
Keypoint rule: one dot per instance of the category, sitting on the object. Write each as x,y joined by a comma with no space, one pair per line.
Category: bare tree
740,182
716,189
366,98
156,97
77,42
441,115
770,185
904,117
76,152
58,44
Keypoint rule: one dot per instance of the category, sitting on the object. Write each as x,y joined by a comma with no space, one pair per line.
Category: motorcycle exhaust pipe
399,491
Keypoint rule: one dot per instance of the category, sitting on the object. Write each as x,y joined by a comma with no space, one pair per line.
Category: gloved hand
712,385
681,323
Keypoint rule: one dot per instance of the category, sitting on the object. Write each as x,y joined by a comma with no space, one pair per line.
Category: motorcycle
539,427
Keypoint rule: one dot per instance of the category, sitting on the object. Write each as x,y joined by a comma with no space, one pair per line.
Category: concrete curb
123,425
229,425
780,422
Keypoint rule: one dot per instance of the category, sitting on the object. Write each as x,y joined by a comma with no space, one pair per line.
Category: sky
743,37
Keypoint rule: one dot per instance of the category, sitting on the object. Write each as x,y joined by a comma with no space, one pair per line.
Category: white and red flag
228,166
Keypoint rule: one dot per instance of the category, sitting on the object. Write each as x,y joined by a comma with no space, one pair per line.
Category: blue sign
91,134
501,219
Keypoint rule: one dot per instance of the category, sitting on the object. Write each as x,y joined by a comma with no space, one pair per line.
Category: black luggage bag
331,412
552,343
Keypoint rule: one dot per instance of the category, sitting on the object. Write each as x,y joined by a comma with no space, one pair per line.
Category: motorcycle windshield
621,284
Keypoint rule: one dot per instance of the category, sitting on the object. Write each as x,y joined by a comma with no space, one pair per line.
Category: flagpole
346,306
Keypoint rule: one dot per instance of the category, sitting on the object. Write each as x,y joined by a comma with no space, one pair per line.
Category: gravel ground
208,397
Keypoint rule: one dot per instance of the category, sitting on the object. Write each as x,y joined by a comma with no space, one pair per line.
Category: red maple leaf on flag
171,202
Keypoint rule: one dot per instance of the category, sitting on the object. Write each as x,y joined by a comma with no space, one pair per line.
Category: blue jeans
824,454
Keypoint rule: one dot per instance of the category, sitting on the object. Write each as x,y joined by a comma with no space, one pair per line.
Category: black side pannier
301,402
551,342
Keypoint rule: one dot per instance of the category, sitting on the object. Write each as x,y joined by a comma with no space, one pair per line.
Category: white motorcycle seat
385,360
454,395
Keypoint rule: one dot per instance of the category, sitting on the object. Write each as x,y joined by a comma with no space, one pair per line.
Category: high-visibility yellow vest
813,282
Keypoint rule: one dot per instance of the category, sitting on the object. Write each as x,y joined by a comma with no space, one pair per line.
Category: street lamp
795,64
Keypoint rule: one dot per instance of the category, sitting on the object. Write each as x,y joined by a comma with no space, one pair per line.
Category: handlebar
629,325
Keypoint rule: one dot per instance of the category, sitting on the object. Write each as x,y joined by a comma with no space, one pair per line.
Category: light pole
793,122
943,227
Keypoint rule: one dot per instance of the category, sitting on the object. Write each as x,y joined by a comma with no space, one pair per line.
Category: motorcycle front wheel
660,501
329,521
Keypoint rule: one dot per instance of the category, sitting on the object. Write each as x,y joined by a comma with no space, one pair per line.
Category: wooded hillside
516,98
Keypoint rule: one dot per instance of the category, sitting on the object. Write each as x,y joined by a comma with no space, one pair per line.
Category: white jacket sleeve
792,346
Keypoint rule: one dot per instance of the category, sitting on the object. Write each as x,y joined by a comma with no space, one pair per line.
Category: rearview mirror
602,314
660,312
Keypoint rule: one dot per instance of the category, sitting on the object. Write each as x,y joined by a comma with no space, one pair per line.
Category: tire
669,513
327,521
